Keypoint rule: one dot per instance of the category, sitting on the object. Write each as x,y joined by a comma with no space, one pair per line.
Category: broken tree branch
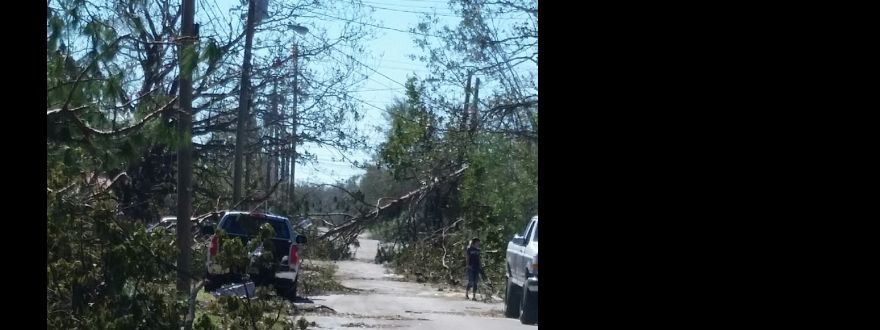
89,130
355,223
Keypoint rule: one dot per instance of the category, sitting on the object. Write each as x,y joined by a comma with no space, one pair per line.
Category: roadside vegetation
147,118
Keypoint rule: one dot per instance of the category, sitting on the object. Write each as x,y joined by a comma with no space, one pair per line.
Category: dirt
385,300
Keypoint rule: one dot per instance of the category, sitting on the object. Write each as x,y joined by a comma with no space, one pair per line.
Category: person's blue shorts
473,277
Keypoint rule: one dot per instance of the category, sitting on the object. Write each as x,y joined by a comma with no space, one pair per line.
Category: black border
648,186
649,209
24,246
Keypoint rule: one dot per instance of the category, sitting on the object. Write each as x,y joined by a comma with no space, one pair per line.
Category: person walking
474,267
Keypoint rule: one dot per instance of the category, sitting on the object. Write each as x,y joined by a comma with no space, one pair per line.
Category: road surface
384,301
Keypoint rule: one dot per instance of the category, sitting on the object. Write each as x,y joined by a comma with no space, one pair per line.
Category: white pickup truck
521,298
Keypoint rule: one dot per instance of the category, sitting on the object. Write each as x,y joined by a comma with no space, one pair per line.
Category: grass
204,301
207,308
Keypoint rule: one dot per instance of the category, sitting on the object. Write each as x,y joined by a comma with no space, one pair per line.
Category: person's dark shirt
473,256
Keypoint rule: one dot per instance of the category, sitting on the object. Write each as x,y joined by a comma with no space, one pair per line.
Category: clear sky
390,50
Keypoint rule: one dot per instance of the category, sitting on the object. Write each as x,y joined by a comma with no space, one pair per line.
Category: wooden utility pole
463,126
293,136
243,103
271,128
284,158
467,96
473,115
184,151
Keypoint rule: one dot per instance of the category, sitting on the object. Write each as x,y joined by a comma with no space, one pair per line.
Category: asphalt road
383,300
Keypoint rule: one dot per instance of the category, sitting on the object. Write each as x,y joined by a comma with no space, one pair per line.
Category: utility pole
464,118
284,162
184,151
472,112
243,103
293,137
249,139
467,97
271,128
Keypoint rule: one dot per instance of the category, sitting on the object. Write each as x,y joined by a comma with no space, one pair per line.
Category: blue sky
389,56
389,67
390,52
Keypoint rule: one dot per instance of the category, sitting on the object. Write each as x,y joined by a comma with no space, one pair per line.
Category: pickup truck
521,298
168,223
244,226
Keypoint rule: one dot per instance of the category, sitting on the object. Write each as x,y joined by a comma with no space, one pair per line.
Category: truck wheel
528,313
288,292
511,300
293,289
212,283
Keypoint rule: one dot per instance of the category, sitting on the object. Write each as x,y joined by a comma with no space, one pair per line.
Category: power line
404,69
426,1
216,15
400,62
444,5
370,78
374,25
409,11
386,110
379,90
366,66
445,14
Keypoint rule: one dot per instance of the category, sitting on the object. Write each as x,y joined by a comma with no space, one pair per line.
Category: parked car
282,273
521,298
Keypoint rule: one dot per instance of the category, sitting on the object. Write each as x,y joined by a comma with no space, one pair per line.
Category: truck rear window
246,225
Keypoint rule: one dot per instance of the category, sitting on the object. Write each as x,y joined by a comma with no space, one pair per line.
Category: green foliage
102,273
104,269
408,151
324,249
318,279
265,311
211,53
204,322
500,189
496,196
189,60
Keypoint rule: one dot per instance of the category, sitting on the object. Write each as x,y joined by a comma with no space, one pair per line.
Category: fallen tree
351,228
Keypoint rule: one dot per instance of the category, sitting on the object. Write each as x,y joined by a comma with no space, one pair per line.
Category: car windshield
246,225
535,237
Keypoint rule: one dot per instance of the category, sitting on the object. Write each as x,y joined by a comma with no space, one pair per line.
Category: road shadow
241,290
248,288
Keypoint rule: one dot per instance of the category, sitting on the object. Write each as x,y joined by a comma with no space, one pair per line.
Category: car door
530,250
515,255
523,252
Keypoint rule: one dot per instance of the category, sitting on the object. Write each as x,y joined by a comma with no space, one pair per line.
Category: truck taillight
214,245
294,256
